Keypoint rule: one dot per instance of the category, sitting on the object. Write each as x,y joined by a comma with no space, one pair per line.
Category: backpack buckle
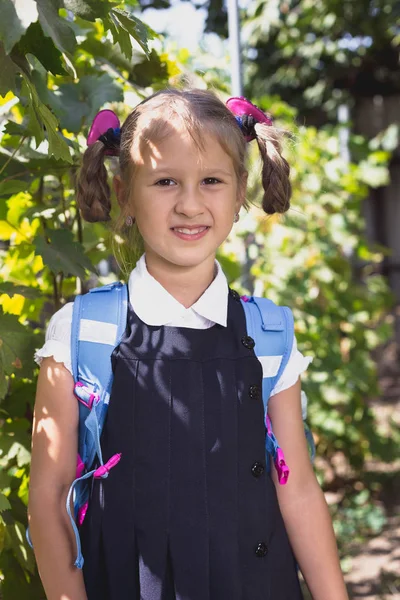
85,395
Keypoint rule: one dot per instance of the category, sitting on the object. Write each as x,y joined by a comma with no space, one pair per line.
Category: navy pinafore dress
190,512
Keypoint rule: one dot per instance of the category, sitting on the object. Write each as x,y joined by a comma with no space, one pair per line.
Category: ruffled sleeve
58,335
297,364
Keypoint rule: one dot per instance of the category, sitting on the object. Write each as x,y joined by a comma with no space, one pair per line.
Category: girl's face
183,199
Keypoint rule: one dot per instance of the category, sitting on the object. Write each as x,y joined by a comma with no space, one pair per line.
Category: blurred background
329,73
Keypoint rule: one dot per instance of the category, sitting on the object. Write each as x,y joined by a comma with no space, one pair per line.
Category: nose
189,202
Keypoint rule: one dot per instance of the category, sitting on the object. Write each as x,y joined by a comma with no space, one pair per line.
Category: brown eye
165,182
212,180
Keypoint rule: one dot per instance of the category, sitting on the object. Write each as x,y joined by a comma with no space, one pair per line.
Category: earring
236,218
129,221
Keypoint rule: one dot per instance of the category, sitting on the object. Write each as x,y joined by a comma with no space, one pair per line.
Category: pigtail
275,170
93,191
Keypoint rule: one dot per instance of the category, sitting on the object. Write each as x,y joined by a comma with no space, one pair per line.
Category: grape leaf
55,26
90,10
13,128
14,186
8,72
4,503
11,289
41,46
16,16
62,254
17,345
79,102
141,32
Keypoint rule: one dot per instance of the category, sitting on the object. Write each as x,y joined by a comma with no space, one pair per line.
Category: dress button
254,392
248,342
234,294
261,549
257,469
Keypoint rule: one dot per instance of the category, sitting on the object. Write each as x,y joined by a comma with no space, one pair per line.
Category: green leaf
13,128
4,503
151,69
90,10
43,48
62,254
136,28
35,167
20,400
41,116
14,186
6,287
55,26
119,34
35,124
79,102
16,16
57,145
20,453
17,346
8,72
15,539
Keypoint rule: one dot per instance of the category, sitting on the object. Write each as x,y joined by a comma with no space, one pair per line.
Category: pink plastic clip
80,467
240,106
82,513
268,424
245,298
281,467
103,470
104,120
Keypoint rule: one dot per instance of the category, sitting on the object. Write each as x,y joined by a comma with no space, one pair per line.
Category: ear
241,192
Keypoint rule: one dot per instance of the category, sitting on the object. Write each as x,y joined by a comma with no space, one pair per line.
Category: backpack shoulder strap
98,323
272,329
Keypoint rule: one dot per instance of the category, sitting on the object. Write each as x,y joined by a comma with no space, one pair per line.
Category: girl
184,515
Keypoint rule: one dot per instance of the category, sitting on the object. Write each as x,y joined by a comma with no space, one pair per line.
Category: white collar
155,306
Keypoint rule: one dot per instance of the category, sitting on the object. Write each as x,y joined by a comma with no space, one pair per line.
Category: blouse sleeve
57,341
296,365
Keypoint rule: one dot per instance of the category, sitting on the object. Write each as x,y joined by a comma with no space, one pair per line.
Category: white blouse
155,306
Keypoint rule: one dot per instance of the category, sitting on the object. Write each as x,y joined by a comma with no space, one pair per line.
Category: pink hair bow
247,114
106,128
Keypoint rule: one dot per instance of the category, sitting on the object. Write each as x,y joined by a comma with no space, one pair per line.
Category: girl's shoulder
58,336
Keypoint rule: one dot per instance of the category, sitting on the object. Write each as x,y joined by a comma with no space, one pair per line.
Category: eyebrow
208,172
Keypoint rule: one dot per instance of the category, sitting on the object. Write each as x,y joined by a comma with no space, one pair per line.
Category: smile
192,233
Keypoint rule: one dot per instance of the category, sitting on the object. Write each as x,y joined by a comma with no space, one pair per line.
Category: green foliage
358,516
317,54
314,54
316,260
356,519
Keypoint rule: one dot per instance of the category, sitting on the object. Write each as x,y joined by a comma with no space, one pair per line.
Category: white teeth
190,231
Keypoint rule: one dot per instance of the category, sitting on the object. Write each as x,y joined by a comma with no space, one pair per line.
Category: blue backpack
98,323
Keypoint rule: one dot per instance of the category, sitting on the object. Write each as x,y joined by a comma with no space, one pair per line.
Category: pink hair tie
106,128
247,115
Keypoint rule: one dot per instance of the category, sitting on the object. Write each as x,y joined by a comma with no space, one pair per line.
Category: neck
185,284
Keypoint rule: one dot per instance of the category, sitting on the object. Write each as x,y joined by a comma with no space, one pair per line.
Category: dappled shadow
385,587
